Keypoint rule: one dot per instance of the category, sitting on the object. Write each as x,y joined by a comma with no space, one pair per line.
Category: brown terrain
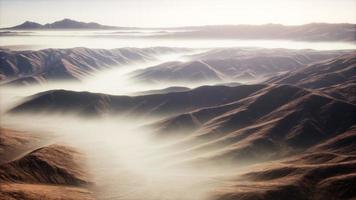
38,171
326,171
290,137
306,32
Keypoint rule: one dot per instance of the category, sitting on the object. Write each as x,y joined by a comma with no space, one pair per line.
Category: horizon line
182,26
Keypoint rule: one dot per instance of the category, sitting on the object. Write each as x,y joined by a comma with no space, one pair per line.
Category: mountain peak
28,25
65,23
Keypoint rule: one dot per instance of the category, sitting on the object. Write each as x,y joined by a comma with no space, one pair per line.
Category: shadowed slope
323,74
326,171
270,124
171,103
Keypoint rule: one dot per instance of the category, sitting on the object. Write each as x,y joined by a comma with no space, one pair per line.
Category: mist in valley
185,113
125,158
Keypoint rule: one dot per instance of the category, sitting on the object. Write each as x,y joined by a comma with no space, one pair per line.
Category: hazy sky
157,13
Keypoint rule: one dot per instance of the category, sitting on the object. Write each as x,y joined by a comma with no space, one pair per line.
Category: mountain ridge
62,24
307,32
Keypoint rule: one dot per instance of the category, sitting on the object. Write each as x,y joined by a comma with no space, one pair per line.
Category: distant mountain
26,67
62,24
28,25
307,32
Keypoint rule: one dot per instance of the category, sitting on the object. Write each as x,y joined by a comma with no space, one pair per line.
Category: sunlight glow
163,13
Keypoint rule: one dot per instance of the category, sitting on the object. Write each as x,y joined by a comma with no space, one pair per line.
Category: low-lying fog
114,81
35,40
122,157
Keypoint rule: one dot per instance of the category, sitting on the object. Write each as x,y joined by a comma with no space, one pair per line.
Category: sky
164,13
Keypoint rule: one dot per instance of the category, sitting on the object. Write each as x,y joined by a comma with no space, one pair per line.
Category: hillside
323,172
157,104
24,67
323,74
38,171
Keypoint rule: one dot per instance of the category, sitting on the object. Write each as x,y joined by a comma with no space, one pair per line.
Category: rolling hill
157,104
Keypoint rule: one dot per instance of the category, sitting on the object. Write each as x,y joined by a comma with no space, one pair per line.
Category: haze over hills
226,64
291,139
232,64
259,127
307,32
25,67
241,123
222,111
157,104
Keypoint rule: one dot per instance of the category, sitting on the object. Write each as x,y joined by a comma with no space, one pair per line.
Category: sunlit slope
34,170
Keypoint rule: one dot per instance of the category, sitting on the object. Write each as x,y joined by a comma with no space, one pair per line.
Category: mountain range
61,24
292,136
217,65
232,64
26,67
307,32
288,134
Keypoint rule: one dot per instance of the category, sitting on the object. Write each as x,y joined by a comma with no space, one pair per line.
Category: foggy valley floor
168,123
